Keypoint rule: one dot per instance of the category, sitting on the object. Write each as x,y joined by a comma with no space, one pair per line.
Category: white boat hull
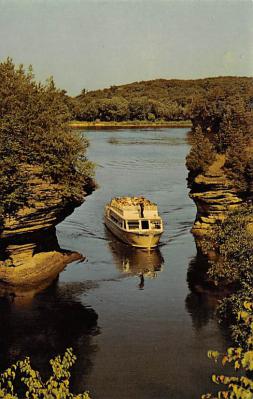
136,239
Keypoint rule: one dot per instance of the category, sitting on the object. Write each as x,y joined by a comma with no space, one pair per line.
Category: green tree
113,109
88,111
34,132
228,310
139,107
202,153
232,242
227,122
237,159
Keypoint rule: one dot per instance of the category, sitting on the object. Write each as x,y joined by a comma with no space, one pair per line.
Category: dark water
134,337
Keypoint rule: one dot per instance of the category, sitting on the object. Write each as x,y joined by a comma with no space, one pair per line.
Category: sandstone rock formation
214,196
30,254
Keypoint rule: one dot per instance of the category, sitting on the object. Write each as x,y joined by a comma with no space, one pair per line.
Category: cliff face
214,196
30,254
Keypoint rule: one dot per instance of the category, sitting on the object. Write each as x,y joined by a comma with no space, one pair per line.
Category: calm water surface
133,339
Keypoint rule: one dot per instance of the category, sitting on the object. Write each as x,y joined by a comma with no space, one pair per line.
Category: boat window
133,224
116,219
144,225
155,224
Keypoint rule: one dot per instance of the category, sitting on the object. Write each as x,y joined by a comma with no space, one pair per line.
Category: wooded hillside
155,99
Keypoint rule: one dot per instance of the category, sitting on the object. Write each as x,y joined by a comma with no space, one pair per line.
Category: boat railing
127,210
135,211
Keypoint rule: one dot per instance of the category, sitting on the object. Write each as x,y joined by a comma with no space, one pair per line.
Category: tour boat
134,220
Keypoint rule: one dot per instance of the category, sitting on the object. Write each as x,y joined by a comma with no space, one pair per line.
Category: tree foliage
165,99
21,377
34,131
232,242
228,311
202,153
226,120
240,385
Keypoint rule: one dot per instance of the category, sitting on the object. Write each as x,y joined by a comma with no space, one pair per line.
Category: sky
95,44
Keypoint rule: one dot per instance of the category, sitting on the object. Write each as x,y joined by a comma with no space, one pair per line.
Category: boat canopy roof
134,207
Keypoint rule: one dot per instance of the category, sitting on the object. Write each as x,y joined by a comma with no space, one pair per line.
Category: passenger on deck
142,209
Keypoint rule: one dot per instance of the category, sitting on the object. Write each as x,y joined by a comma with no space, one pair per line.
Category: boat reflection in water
135,261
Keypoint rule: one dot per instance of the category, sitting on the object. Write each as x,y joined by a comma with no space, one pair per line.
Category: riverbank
129,124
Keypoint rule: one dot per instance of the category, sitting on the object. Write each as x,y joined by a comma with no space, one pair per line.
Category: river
134,339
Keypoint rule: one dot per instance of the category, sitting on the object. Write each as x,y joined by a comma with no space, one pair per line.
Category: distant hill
156,99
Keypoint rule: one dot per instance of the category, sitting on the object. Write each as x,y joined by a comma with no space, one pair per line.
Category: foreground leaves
239,386
56,387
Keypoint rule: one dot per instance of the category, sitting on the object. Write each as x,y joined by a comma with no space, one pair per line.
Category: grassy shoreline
129,124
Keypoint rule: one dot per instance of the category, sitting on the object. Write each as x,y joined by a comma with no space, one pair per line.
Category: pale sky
95,44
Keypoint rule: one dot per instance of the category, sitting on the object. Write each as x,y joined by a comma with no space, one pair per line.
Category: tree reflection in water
204,297
44,326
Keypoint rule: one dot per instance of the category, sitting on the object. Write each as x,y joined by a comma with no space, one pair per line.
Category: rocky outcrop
214,196
30,254
32,261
